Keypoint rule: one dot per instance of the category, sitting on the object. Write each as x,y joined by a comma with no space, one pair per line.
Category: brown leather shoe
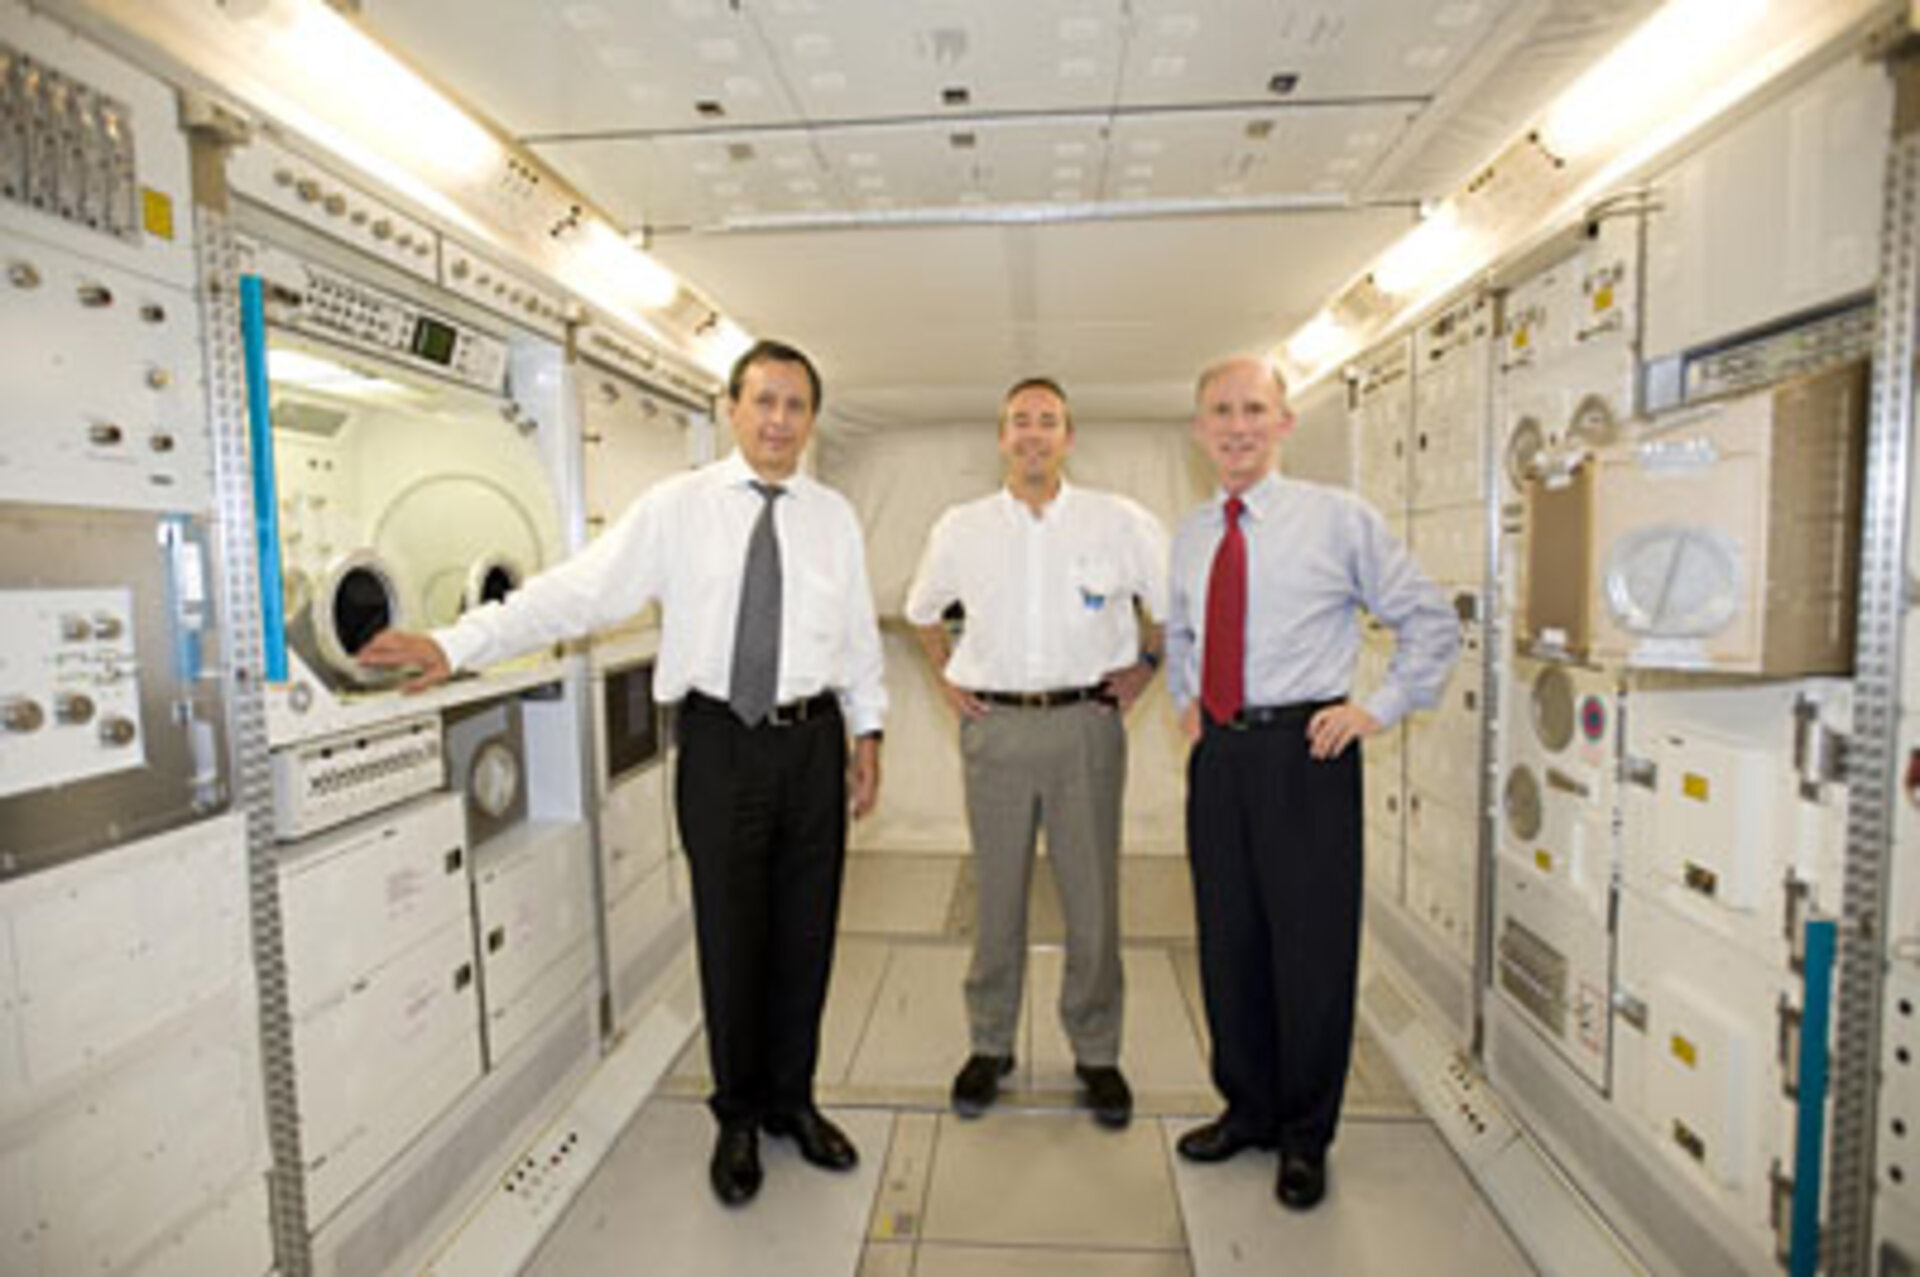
821,1142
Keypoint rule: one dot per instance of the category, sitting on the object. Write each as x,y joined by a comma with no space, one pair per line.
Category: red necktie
1224,664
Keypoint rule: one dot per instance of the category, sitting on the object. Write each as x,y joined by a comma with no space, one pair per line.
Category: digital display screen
434,341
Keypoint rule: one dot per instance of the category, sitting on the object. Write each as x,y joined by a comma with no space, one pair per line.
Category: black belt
1046,700
790,714
1259,716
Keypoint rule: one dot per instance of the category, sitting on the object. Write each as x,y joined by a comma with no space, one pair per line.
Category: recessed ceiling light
709,109
955,95
1078,68
1079,30
1282,83
743,86
718,49
828,81
1167,65
1178,26
812,44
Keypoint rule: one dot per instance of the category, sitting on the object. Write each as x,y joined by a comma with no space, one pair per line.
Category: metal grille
1870,759
247,726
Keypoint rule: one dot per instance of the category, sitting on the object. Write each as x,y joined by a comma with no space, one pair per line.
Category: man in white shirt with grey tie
1050,658
769,643
1262,634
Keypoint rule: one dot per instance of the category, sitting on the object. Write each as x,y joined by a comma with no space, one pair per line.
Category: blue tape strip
1810,1128
266,499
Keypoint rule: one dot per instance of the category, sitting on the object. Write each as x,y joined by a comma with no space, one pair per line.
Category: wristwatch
1150,658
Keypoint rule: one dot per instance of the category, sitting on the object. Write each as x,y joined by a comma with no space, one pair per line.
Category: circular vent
1553,708
1593,423
1520,800
1526,447
1673,581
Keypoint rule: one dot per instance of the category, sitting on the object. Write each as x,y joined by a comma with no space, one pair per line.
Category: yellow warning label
1694,786
156,212
1520,338
1544,859
1603,298
1685,1052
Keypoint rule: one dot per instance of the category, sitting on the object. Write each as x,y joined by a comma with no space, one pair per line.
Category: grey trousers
1062,770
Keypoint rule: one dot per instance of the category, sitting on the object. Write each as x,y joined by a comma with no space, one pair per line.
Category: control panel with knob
69,697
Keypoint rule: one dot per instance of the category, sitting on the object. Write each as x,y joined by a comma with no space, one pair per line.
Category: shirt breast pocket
819,608
1097,585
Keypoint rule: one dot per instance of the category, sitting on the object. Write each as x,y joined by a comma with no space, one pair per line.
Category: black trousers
1275,842
763,814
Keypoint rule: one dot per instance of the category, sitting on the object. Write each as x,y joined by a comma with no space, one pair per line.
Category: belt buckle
787,715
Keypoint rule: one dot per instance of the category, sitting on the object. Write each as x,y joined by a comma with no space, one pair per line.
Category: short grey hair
1213,370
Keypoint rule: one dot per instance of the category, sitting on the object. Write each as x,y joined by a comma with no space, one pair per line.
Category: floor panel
1397,1202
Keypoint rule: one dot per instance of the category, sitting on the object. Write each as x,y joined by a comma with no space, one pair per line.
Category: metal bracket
1819,752
1788,1021
1630,1007
1643,772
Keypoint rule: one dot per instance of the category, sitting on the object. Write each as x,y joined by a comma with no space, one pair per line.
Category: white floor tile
859,966
1397,1202
917,1034
901,1205
649,1207
887,1259
1045,1179
898,895
1159,1050
1005,1261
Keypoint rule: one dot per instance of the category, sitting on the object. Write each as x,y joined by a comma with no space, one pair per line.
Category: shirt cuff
1388,706
460,644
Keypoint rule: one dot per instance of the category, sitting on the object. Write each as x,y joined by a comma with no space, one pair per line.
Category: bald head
1241,363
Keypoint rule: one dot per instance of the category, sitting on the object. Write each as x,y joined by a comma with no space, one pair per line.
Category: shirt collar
1051,511
736,473
1259,499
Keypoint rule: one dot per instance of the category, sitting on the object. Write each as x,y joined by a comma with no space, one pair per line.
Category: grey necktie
756,628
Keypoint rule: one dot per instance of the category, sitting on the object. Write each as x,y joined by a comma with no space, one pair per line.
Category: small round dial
495,778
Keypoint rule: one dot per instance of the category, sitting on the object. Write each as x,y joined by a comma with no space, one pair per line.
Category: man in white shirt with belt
769,643
1050,658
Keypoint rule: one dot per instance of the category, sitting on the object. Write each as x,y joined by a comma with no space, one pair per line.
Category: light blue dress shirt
1315,556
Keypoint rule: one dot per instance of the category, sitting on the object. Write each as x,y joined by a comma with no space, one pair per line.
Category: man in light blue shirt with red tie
1263,630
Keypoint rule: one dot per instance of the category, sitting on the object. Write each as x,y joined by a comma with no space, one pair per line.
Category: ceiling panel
1228,50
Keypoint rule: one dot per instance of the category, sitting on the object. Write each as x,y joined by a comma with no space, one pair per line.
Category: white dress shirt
684,543
1049,599
1315,556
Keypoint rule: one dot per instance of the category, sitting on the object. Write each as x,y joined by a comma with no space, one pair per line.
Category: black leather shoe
978,1083
1302,1181
820,1141
1214,1142
1105,1091
735,1169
